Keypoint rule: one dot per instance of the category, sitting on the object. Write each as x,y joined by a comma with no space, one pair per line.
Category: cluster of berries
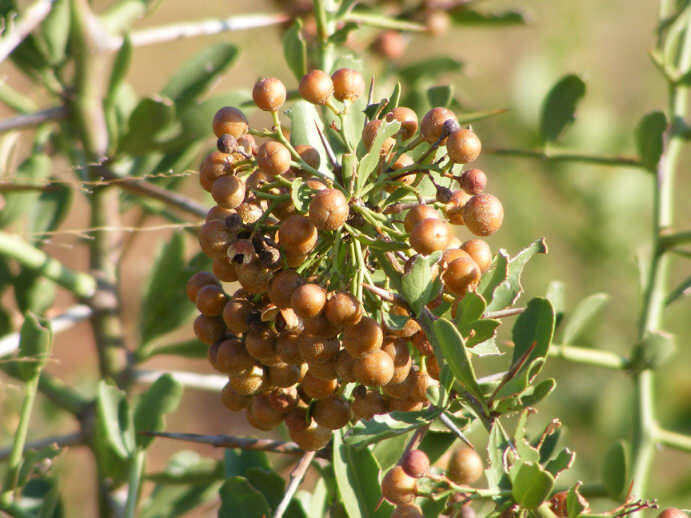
299,342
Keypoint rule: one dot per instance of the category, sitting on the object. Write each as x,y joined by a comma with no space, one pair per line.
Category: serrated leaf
615,469
162,397
563,461
574,503
484,330
559,107
295,50
420,285
530,485
533,329
389,425
532,395
509,289
357,479
583,316
467,16
199,72
370,161
429,69
240,500
497,274
440,95
650,138
114,420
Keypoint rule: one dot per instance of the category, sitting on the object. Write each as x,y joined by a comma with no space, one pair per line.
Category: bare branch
23,25
296,477
210,382
33,119
71,439
66,320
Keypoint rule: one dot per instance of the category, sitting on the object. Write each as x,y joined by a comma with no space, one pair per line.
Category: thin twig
144,188
210,382
23,25
504,313
30,120
568,156
296,477
208,27
66,320
71,439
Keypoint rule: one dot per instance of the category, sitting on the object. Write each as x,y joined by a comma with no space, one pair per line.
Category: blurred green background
595,219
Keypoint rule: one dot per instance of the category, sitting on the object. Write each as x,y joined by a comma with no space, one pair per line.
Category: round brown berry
209,330
297,235
432,125
214,239
308,300
373,369
369,133
210,300
214,165
282,287
407,118
309,155
344,366
369,405
224,270
390,44
262,415
415,463
319,327
269,94
461,275
324,370
236,315
316,87
232,400
417,214
463,146
398,487
254,277
363,337
328,209
273,158
348,84
285,375
342,309
228,191
261,345
232,357
454,207
465,466
318,388
311,438
230,120
248,382
332,412
450,255
218,213
480,251
430,235
409,328
287,347
400,354
197,282
406,177
407,511
318,350
483,214
405,405
473,181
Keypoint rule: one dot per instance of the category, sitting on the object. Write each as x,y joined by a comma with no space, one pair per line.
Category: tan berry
465,466
224,270
236,315
432,124
332,412
473,181
273,158
407,118
308,300
430,235
230,120
232,400
297,235
232,357
210,300
214,165
417,214
390,44
197,282
282,287
328,209
463,146
483,214
214,239
317,388
480,251
228,191
369,133
262,415
415,463
373,369
209,330
342,309
310,155
454,208
316,87
363,337
461,275
400,354
398,487
348,84
269,94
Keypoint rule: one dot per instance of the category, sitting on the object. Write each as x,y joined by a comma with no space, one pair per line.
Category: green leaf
382,21
168,501
394,99
186,349
389,425
683,289
33,463
162,397
301,195
440,95
466,16
421,284
583,316
563,461
509,289
615,469
532,395
114,425
575,503
498,273
485,329
434,506
370,161
32,170
435,444
35,342
357,478
118,72
195,118
268,482
557,297
49,210
468,117
147,125
469,310
164,303
199,72
237,462
295,50
388,451
533,328
650,138
530,485
429,69
653,351
33,292
304,119
54,33
188,467
240,500
559,107
497,444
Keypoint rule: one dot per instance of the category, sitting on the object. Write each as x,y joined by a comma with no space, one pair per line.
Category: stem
296,477
674,440
16,100
136,469
554,155
673,239
72,439
23,25
595,357
81,284
31,120
15,458
644,425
